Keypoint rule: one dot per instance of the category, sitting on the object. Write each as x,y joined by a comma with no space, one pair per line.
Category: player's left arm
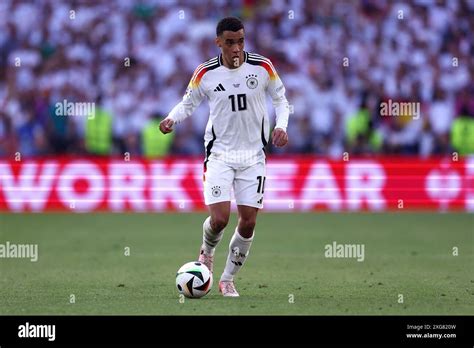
276,89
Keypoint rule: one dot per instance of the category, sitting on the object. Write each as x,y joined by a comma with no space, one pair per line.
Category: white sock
238,251
210,239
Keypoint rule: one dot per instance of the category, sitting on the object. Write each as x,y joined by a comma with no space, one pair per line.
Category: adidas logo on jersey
219,88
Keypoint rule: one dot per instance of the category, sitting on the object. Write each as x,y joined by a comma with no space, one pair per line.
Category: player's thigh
218,179
249,185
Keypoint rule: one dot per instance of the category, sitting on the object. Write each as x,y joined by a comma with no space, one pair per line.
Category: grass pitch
82,258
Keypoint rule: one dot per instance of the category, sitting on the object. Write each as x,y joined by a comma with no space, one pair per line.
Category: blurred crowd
339,60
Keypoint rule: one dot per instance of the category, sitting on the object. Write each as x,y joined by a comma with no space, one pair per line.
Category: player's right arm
191,100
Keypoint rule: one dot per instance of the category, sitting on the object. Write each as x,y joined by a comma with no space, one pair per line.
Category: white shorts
248,183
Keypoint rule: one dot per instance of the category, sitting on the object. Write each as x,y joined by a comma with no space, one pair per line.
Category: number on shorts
261,184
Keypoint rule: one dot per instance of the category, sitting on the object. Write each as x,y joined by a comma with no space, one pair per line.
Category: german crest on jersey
252,81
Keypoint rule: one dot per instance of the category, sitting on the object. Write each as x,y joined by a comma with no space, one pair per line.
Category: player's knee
219,222
247,225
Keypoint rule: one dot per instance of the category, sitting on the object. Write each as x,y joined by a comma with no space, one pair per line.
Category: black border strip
208,330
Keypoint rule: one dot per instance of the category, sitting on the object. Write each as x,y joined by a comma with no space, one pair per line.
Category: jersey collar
246,55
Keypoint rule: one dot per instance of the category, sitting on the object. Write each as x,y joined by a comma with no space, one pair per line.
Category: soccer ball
194,280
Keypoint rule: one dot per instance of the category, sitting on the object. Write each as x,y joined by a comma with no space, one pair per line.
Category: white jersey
238,127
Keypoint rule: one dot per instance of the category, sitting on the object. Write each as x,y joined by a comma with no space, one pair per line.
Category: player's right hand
166,126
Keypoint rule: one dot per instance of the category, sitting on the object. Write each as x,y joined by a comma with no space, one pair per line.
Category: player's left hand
279,137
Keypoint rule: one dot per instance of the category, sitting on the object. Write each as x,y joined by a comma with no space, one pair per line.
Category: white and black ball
194,280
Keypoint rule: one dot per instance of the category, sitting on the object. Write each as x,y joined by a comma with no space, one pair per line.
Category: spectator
140,59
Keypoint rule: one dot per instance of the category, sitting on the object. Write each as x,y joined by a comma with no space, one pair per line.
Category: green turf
407,253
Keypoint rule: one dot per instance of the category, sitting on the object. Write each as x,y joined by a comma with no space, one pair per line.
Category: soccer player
235,83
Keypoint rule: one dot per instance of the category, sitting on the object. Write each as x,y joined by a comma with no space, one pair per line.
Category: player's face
232,47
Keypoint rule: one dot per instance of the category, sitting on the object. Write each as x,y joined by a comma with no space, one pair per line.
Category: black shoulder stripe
204,65
203,68
257,56
213,59
213,66
213,63
253,62
262,61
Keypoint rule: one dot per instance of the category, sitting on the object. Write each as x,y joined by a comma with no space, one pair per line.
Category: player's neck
230,64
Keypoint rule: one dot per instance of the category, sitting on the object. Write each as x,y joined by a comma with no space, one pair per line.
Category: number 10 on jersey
241,102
